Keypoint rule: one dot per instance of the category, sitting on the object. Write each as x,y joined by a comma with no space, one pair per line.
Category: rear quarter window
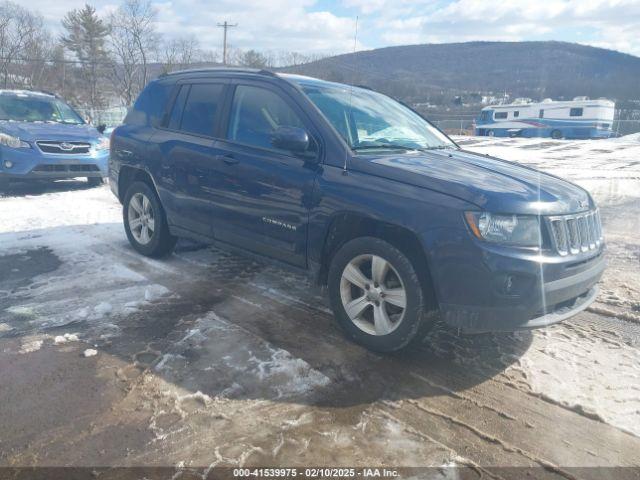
150,105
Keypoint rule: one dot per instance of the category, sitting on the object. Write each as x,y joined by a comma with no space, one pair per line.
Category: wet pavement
208,359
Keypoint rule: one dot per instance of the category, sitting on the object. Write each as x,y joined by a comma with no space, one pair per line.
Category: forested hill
434,72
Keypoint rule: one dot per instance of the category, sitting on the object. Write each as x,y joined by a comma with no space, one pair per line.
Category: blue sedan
42,137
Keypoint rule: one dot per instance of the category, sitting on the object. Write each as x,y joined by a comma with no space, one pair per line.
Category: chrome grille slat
576,233
63,148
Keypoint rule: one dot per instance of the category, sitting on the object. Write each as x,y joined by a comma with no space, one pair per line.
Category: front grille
576,233
66,168
64,148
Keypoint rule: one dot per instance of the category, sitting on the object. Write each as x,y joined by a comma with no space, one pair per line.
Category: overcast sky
327,26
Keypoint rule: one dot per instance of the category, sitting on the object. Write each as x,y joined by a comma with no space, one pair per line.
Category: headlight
103,144
13,142
522,230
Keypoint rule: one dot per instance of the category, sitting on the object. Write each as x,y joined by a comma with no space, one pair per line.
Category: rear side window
256,114
500,115
150,105
575,112
178,107
200,109
516,114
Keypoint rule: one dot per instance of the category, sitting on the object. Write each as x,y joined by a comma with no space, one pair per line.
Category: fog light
8,164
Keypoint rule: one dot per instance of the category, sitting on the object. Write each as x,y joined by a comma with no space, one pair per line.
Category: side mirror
101,128
294,139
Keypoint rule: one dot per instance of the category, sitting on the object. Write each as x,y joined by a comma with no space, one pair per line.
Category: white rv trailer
579,118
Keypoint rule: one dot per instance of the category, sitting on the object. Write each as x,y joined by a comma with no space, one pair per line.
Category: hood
32,131
490,183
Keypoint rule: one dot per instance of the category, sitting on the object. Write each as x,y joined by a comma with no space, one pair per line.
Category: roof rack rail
220,69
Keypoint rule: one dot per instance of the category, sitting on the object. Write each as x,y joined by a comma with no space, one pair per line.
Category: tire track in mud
318,314
252,297
278,310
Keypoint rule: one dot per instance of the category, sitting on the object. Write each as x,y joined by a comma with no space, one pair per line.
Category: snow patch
67,337
30,346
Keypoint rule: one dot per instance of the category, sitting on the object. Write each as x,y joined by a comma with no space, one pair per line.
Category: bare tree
179,53
19,29
38,49
253,59
133,42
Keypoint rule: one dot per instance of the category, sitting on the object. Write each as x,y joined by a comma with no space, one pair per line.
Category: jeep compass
360,192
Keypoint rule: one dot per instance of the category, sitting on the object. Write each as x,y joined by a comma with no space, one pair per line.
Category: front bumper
30,163
545,291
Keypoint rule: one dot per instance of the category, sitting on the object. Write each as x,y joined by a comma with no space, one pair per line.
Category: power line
226,25
54,60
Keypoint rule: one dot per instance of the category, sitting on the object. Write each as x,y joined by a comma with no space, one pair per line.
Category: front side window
256,114
36,108
370,120
575,112
500,115
200,109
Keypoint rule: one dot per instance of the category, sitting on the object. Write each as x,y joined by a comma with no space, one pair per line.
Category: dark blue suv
360,192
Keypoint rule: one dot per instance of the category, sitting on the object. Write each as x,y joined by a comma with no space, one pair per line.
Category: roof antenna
355,44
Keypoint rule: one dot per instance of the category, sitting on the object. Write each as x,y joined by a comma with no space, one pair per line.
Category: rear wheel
95,181
376,294
491,133
145,222
556,134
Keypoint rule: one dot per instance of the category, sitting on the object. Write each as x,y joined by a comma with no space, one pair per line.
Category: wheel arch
129,174
346,226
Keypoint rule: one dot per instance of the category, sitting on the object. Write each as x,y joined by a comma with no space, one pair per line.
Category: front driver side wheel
145,222
376,294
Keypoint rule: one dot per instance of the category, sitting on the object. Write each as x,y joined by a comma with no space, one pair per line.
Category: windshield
31,108
370,120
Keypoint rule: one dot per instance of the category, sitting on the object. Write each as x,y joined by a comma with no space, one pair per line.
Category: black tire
556,134
161,241
95,181
415,313
491,133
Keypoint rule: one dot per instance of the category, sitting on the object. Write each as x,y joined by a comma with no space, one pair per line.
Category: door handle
229,159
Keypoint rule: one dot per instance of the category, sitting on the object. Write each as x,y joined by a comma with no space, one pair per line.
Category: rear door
186,147
265,191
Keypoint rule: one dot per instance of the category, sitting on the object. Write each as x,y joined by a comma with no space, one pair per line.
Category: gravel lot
207,359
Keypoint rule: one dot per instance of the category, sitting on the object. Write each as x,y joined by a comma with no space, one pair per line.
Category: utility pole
226,25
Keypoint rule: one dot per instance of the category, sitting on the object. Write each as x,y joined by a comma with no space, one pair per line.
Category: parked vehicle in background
360,192
43,138
580,118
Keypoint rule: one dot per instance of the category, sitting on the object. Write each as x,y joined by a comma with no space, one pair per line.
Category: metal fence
454,125
110,117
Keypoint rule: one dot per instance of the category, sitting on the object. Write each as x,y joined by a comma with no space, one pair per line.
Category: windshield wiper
383,146
438,147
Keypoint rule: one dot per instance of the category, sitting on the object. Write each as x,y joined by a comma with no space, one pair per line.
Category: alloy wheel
141,218
373,294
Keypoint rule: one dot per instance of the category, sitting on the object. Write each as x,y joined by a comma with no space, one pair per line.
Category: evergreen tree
85,37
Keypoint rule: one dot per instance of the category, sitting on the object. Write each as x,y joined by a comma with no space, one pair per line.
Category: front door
267,191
